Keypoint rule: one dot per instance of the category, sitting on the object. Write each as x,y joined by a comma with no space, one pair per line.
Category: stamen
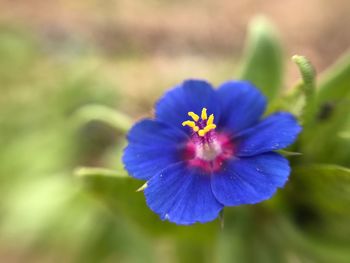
191,124
206,129
210,119
194,116
204,114
210,127
196,123
201,133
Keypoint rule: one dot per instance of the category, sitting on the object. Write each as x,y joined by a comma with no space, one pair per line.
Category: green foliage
263,60
329,118
42,210
111,187
115,119
57,115
326,188
335,81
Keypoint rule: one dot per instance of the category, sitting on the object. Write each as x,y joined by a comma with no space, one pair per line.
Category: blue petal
182,195
250,180
153,146
242,105
191,95
275,132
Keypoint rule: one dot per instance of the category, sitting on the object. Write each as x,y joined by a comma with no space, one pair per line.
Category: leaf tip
143,187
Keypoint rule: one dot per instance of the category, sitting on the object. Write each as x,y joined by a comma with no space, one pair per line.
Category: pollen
200,125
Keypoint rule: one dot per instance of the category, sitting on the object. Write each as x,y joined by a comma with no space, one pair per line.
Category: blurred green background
75,74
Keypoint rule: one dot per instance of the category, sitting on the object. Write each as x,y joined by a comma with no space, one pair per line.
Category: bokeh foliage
58,114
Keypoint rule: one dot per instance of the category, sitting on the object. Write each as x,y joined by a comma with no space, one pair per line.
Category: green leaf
293,102
323,140
111,117
334,83
263,60
298,100
325,187
289,153
304,247
334,87
119,193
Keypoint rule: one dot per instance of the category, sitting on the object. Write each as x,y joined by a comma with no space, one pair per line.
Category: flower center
200,126
207,149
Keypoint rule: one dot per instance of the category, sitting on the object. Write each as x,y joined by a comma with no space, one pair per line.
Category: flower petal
250,180
242,103
275,132
153,146
191,95
182,195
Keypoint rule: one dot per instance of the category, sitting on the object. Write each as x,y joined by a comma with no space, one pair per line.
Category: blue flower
209,148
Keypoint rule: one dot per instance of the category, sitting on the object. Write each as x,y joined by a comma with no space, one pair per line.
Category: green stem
308,85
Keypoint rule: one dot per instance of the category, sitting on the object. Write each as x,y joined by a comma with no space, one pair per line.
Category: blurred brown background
318,29
167,30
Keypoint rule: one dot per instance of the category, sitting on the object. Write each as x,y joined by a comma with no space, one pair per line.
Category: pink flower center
207,149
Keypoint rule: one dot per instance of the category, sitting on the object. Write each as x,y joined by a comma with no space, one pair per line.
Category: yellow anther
201,133
194,116
191,124
210,119
204,114
210,127
206,129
